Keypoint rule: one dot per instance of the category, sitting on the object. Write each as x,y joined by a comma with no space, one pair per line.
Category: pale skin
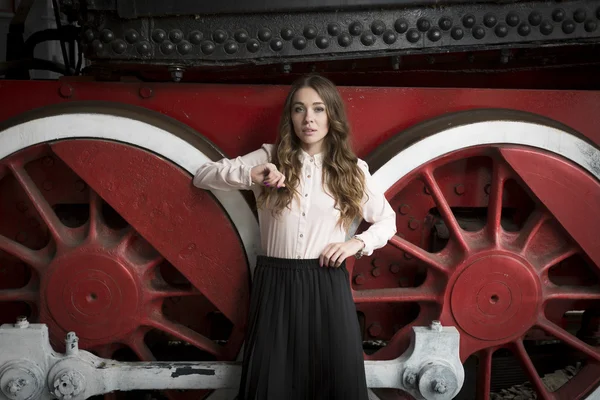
311,125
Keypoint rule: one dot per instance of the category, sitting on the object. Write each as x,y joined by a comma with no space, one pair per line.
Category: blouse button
306,195
311,160
304,214
301,235
308,176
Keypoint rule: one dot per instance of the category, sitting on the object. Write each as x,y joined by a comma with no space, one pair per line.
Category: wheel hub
93,294
495,297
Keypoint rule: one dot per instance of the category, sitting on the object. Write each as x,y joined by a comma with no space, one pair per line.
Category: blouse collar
317,158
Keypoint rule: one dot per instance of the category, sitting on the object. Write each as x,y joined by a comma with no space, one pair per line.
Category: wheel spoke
569,339
573,293
139,346
494,224
167,291
25,254
534,378
186,334
126,240
444,208
58,231
22,294
95,215
396,295
562,255
417,252
532,227
484,374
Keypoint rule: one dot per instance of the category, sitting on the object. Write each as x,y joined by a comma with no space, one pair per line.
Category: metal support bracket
31,370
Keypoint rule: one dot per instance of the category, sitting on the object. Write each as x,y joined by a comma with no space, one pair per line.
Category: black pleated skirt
303,340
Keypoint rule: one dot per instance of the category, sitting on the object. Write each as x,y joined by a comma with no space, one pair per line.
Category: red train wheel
497,213
104,235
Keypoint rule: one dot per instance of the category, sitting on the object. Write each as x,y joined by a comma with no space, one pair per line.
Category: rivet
468,21
310,32
264,34
107,36
287,33
98,46
80,185
48,185
207,47
568,26
546,28
501,30
167,48
394,268
479,32
144,48
413,35
457,33
489,20
185,47
230,47
375,330
378,27
89,36
345,40
408,256
276,44
322,42
396,61
389,37
401,25
535,18
426,190
359,279
413,224
558,15
299,43
524,29
333,29
590,26
33,222
375,272
220,36
512,19
459,189
403,282
445,23
434,34
377,262
367,39
146,92
423,24
22,206
196,37
119,46
579,15
65,90
355,28
487,188
159,35
404,209
132,36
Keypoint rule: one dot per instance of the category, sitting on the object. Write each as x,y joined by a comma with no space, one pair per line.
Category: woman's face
309,117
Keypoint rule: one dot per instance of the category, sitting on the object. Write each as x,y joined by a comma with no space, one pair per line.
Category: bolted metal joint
72,343
16,385
176,73
69,385
22,322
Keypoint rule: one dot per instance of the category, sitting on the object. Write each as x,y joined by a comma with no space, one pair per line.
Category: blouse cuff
247,175
368,249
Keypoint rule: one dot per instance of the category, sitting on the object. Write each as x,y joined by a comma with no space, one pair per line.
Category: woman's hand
335,253
268,175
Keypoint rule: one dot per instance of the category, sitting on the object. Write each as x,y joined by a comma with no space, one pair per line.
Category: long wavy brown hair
342,177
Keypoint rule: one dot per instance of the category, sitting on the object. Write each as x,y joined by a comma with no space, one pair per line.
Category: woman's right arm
231,174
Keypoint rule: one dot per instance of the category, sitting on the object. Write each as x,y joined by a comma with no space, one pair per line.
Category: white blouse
303,230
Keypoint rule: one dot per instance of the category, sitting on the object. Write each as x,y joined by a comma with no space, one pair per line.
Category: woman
303,340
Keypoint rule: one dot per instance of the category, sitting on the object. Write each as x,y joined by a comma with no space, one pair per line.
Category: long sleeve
378,212
231,174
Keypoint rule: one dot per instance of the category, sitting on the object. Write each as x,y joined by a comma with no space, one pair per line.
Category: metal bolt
80,185
359,279
176,73
22,206
16,385
411,379
72,343
408,256
439,386
396,61
459,189
436,326
22,322
65,90
68,385
48,185
404,209
375,329
394,268
487,188
375,272
413,224
286,68
377,262
146,92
